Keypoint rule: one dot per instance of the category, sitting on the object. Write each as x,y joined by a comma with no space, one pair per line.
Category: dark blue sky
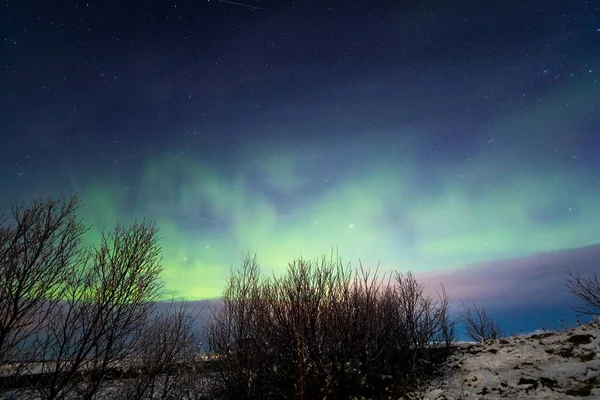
444,137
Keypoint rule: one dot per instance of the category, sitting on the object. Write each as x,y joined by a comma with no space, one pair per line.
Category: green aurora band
477,209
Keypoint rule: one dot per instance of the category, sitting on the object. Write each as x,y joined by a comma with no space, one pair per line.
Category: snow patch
543,365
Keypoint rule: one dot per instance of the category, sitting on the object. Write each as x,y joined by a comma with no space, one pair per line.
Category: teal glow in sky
276,204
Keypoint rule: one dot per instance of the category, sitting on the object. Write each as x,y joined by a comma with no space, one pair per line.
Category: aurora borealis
429,136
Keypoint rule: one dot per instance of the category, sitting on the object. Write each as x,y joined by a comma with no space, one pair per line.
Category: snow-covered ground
553,365
546,365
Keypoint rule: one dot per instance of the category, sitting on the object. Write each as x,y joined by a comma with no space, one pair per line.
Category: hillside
552,365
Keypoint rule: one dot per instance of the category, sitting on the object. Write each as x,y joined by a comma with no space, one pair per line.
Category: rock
552,365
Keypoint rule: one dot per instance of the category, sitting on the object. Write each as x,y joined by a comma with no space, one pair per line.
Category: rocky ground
553,365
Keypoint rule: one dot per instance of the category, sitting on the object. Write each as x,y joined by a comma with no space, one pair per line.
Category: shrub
167,353
323,330
478,325
587,290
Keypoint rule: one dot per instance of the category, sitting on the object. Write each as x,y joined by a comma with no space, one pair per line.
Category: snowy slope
559,365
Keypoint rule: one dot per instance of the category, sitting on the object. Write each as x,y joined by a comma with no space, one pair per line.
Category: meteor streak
239,4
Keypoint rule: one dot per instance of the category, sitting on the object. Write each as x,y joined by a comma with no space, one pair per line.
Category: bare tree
230,329
167,350
35,252
447,334
478,325
587,290
105,308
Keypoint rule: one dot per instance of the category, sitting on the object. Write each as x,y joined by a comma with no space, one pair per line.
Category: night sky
456,139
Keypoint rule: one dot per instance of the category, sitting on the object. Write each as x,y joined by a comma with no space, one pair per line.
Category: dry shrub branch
323,329
587,291
72,316
478,325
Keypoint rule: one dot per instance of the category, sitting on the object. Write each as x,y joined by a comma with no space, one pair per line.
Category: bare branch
35,251
321,330
478,325
587,290
106,307
167,350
